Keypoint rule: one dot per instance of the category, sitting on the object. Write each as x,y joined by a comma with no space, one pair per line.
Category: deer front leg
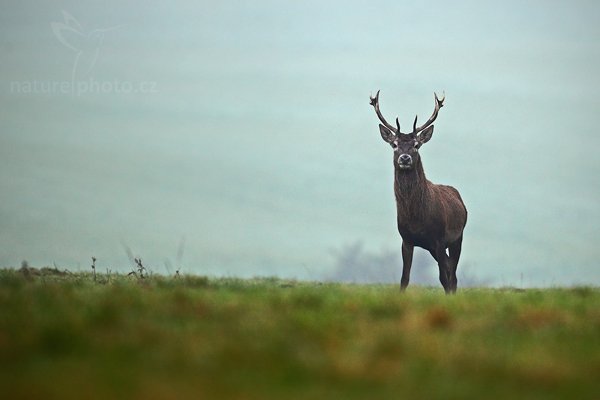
444,266
407,256
454,252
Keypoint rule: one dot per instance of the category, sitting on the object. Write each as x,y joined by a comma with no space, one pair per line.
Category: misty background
241,132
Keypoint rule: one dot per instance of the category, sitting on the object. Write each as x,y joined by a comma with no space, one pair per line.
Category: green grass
64,336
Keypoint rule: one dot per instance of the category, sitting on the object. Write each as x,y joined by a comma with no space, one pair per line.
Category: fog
244,130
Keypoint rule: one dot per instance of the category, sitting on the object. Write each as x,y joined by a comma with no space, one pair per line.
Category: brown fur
432,217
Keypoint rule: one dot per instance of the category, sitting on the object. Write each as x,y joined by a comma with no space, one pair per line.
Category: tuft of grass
64,336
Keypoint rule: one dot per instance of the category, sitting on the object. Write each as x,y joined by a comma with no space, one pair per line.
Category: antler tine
375,104
398,125
439,103
415,124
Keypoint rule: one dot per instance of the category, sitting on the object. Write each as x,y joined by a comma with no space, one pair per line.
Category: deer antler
375,104
439,103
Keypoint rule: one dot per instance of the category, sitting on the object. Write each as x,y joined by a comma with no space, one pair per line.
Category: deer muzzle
404,161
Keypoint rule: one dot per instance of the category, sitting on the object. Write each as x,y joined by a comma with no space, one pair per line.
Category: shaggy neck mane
411,190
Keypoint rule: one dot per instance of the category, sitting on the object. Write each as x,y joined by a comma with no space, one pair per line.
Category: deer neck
411,190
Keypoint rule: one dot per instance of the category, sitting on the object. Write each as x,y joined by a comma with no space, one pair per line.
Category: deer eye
394,145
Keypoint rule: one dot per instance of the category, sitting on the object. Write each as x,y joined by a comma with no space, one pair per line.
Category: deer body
429,216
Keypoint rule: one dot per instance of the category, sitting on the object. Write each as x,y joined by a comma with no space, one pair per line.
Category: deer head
406,145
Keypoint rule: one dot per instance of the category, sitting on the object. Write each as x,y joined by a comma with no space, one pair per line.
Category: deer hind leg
444,265
407,256
454,250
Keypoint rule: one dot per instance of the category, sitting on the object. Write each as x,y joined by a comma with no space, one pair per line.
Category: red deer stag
430,216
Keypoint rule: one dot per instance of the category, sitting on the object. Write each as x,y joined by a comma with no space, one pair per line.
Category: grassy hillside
66,336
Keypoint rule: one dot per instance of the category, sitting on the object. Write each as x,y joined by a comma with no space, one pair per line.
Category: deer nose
404,159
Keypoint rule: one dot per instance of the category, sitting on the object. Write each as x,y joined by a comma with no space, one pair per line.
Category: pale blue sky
254,139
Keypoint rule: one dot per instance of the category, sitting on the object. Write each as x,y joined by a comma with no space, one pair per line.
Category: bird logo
86,45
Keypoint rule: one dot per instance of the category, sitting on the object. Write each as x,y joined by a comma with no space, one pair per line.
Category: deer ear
425,135
386,134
